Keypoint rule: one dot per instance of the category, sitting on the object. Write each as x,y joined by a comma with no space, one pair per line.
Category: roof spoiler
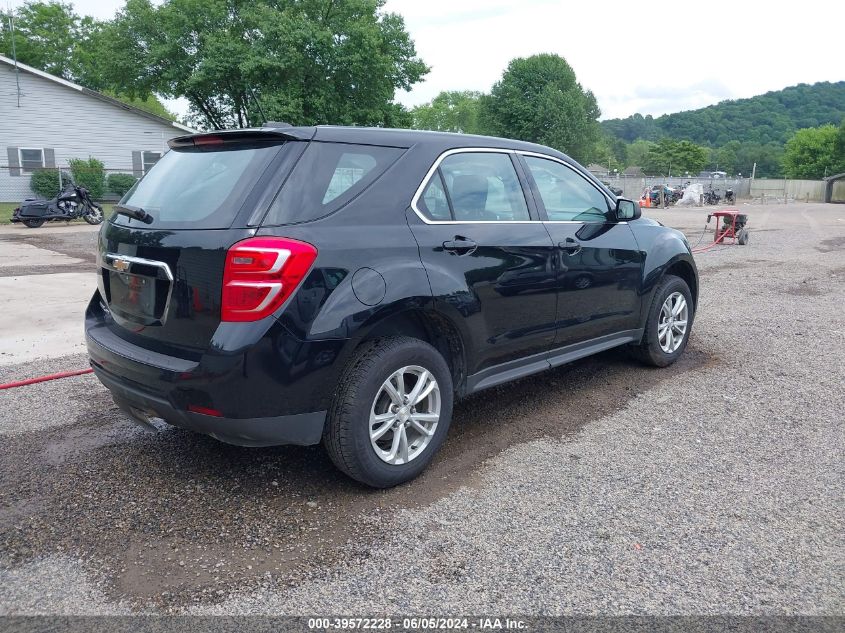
258,135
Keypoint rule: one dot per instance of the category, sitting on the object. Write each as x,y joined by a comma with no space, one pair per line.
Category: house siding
71,123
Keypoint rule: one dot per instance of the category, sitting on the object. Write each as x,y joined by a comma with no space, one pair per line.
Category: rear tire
365,406
659,346
33,223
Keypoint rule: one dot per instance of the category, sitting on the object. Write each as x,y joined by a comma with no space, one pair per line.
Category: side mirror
627,209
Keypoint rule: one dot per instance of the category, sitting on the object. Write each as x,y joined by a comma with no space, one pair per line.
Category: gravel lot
712,487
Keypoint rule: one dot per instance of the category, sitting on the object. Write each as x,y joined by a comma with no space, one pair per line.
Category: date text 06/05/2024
418,623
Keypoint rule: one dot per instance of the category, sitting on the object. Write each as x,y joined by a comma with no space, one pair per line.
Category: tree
668,156
725,157
49,36
811,153
611,151
839,149
768,157
451,111
634,127
149,104
240,62
120,183
89,174
637,152
539,99
768,118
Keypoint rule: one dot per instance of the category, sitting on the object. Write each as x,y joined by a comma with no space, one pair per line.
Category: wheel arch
427,325
683,269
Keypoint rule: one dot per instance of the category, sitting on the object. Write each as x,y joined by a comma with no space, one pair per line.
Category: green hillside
769,118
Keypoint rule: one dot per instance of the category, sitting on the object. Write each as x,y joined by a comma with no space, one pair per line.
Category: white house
45,121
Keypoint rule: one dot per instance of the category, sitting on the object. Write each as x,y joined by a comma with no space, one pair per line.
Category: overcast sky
649,57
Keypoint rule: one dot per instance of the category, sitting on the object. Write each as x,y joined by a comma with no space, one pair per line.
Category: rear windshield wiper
134,212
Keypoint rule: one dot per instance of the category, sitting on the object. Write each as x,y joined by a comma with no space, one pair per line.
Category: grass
6,209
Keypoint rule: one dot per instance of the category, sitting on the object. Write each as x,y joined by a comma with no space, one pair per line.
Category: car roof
436,142
394,137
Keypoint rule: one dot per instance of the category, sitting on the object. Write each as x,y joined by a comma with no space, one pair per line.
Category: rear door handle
460,245
570,246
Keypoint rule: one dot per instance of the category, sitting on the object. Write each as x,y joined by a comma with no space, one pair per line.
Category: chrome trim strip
107,262
433,168
135,260
472,150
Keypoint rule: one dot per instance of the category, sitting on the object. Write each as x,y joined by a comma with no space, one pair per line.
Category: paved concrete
47,277
42,315
50,228
20,254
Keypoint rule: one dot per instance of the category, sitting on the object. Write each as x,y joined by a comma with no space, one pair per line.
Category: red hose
716,242
32,381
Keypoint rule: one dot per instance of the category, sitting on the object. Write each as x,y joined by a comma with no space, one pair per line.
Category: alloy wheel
672,325
404,415
95,216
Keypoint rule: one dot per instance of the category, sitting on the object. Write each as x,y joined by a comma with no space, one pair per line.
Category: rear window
327,177
199,188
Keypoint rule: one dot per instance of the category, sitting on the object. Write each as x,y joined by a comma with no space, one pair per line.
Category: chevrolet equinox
292,285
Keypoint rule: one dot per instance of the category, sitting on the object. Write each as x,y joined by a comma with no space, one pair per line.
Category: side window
565,194
350,168
326,177
433,201
482,187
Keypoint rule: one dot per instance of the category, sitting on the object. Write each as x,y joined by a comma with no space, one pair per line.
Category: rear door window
475,187
199,188
328,176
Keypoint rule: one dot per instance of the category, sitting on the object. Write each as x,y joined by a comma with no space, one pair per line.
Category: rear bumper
269,393
303,429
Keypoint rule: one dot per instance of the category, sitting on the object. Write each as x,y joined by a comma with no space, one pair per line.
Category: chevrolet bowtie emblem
120,264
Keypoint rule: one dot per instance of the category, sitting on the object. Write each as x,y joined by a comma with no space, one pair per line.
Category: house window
31,159
150,159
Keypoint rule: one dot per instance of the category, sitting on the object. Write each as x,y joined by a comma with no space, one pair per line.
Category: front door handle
460,245
570,246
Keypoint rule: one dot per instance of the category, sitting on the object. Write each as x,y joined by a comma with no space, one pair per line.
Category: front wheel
668,325
93,215
391,412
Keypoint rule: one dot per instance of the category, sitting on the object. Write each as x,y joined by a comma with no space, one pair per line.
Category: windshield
193,188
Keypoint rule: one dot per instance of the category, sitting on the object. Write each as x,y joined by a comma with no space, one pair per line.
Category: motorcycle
72,203
670,195
729,196
711,197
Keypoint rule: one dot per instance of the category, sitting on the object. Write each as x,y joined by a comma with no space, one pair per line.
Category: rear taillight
260,274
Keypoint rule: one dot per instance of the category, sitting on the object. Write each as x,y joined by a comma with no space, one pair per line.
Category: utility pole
15,56
751,184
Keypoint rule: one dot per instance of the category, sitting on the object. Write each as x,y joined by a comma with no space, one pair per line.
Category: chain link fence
107,184
110,183
633,187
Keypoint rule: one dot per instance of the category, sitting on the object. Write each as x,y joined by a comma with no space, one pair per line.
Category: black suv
291,285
